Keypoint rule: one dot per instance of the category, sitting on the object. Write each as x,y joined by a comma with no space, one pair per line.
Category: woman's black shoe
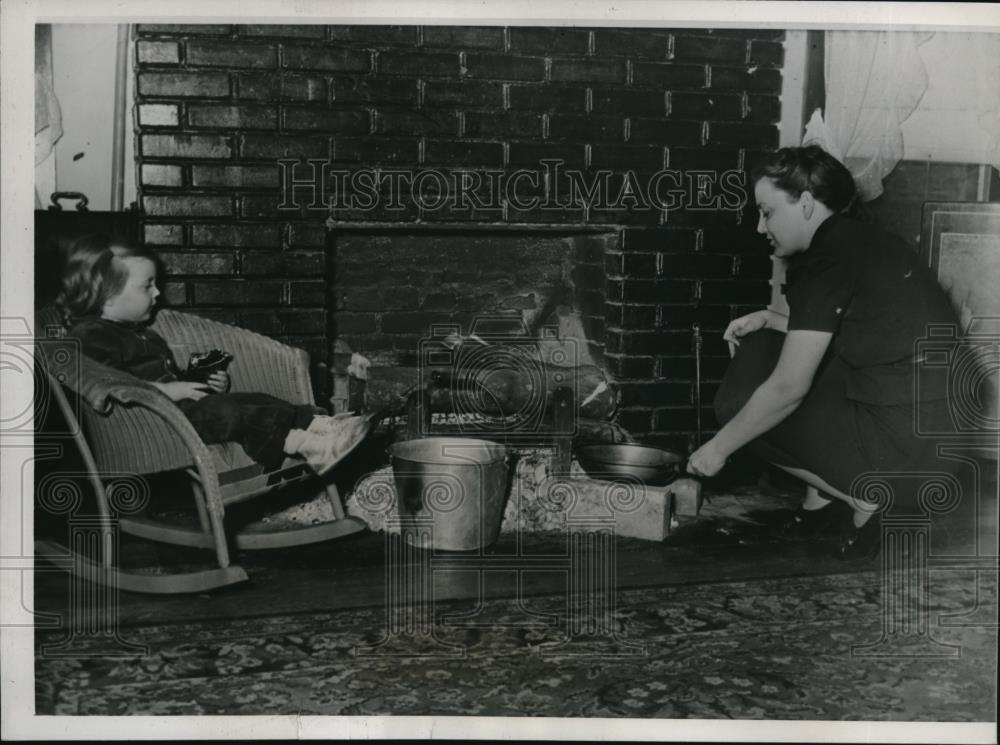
861,544
805,524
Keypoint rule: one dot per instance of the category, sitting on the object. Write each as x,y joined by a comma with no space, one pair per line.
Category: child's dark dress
257,421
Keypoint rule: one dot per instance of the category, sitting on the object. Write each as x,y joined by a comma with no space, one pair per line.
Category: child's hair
92,276
798,169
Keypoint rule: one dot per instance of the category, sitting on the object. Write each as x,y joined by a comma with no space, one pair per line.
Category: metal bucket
452,490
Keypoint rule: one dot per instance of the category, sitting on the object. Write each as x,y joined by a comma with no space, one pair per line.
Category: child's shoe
327,441
323,424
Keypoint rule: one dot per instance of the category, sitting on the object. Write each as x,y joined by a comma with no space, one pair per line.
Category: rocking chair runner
127,426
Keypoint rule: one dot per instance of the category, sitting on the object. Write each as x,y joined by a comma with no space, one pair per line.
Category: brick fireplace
218,106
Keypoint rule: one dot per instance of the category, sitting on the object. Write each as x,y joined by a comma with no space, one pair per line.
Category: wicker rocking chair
123,426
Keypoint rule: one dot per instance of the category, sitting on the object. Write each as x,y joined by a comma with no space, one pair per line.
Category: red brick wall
218,106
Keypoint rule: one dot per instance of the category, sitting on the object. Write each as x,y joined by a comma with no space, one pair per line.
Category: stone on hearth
539,500
687,496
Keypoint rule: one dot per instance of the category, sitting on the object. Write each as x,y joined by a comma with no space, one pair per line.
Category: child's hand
219,381
179,390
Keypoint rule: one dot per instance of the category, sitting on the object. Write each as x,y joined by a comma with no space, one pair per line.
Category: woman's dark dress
870,290
257,421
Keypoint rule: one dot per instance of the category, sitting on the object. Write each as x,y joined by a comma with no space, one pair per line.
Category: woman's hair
91,275
795,170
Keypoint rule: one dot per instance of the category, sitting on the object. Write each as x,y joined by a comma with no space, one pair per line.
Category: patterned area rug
773,648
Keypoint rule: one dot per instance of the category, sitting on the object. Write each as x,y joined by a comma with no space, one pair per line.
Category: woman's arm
777,321
774,400
751,322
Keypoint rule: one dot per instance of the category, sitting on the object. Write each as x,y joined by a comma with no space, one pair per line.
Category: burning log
521,391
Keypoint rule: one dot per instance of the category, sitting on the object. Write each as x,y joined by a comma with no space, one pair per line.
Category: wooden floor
724,543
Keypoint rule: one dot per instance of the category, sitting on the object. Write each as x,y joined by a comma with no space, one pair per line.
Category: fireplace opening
417,301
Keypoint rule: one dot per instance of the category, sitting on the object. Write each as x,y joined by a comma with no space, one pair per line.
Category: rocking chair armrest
140,430
131,425
95,383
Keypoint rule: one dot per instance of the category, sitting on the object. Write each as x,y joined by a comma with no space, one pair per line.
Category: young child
108,294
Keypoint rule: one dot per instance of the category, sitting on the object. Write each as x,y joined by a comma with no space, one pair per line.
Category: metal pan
654,466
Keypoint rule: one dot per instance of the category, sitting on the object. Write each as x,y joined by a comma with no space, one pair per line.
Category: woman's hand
744,325
219,381
706,460
178,390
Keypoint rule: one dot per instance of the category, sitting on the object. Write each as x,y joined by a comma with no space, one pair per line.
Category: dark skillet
653,466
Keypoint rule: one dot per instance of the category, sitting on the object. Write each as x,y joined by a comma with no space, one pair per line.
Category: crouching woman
829,392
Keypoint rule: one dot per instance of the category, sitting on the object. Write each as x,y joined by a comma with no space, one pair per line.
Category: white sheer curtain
48,116
874,81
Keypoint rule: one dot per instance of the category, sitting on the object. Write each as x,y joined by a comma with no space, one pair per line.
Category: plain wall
83,68
946,125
